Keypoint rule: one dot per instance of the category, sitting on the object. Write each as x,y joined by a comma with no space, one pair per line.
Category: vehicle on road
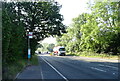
39,52
59,51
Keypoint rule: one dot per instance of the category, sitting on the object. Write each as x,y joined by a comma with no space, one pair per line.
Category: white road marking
108,66
17,75
55,70
41,74
98,69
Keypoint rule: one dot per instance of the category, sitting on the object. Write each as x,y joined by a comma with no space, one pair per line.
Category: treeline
98,31
14,41
45,47
19,18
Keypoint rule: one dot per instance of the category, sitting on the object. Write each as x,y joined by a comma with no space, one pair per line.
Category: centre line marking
108,66
56,70
98,69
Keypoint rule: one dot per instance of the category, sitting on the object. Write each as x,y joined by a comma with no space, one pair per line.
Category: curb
21,71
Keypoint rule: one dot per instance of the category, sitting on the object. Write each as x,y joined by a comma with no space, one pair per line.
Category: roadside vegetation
34,60
45,47
94,34
94,55
91,34
19,18
14,68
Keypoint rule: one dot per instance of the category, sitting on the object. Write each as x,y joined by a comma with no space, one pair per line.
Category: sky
70,9
49,40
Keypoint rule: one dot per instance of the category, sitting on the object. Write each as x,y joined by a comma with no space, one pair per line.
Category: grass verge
94,55
34,60
11,70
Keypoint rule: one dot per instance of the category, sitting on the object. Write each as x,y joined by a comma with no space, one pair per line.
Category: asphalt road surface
70,69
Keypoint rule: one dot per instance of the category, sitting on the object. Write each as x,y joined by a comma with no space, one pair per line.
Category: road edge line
55,70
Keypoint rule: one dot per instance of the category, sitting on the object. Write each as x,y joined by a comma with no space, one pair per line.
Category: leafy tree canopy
41,18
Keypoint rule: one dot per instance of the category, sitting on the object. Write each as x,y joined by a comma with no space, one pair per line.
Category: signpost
30,35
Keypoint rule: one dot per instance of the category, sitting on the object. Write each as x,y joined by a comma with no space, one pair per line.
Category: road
67,69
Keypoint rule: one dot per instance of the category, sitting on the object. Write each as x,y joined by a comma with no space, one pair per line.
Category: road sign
30,34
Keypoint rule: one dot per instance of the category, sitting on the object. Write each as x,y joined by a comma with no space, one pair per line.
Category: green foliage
46,47
41,18
97,31
50,47
12,38
43,48
13,44
34,60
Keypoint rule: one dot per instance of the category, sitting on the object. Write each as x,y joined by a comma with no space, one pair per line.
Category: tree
41,18
14,46
50,47
107,15
97,31
14,43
